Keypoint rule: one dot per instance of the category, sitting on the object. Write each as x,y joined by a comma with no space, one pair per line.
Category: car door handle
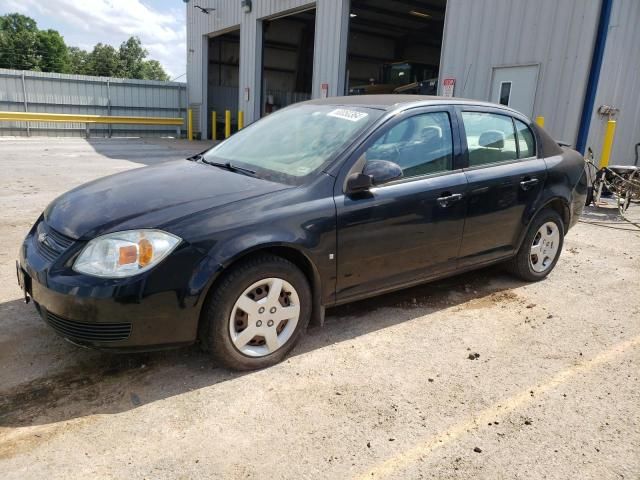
448,198
528,183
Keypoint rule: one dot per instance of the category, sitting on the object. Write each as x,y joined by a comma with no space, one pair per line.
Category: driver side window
420,145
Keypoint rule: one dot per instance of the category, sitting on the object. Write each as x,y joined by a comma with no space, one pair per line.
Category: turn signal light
141,253
146,252
128,254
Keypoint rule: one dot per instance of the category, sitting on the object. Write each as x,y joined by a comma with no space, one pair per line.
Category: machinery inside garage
394,46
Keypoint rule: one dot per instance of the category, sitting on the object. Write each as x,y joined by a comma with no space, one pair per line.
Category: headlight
123,254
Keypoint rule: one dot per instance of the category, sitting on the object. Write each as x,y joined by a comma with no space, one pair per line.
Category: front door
505,179
515,87
409,229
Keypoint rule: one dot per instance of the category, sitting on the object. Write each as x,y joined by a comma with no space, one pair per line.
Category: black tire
214,321
520,265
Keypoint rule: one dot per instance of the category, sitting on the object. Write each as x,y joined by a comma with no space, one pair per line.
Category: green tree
53,54
78,61
103,61
132,56
152,70
24,47
18,42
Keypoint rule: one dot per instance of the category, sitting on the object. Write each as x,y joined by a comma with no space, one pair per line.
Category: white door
515,87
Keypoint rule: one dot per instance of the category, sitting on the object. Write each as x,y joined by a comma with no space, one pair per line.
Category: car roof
393,101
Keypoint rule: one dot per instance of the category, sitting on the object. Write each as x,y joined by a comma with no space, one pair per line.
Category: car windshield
291,145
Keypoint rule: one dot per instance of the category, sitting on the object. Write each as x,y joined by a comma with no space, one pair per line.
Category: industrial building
574,62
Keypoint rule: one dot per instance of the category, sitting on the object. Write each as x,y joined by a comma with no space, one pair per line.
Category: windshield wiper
195,158
228,166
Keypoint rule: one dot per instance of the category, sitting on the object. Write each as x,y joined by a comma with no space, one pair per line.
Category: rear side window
491,138
526,143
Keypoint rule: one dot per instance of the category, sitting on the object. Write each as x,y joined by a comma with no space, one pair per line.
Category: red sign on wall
448,85
324,90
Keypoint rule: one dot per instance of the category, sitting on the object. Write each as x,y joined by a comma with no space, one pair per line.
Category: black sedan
322,203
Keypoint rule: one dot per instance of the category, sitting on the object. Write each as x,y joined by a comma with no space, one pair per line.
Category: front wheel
257,313
541,247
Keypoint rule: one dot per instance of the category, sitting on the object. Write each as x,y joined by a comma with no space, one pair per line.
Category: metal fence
24,91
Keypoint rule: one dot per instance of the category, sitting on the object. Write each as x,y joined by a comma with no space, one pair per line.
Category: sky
160,24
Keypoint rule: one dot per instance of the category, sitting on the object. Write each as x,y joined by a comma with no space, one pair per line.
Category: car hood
150,197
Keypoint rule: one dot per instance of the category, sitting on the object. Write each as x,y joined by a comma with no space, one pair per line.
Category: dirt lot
386,389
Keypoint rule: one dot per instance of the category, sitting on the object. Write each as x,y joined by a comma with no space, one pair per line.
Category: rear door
505,179
410,229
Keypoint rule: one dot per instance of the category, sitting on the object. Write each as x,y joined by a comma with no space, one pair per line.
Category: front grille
49,243
97,332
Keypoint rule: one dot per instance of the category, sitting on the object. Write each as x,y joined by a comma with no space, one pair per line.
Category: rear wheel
257,313
541,247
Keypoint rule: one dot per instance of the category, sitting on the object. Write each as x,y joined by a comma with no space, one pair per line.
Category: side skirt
426,279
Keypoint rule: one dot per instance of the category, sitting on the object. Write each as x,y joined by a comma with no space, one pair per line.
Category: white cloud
84,23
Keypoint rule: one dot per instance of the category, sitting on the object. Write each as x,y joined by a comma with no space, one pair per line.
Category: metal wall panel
330,53
619,83
332,18
556,35
226,15
81,94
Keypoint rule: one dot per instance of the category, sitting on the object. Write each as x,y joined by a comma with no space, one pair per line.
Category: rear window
495,138
526,142
491,138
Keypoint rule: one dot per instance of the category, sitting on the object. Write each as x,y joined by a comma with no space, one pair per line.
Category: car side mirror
382,171
359,182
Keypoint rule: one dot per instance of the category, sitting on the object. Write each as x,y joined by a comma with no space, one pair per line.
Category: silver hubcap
264,317
544,247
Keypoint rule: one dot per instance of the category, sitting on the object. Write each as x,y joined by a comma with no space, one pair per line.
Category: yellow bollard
227,123
607,145
240,119
214,124
190,124
540,121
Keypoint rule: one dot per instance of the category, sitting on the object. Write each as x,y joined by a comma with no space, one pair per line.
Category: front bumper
156,309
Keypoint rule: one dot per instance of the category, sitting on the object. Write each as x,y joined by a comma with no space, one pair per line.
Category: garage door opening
394,46
287,61
223,78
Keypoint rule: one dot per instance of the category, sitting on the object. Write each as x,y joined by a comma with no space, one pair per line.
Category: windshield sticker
345,114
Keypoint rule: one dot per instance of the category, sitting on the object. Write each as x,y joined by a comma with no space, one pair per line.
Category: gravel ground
387,389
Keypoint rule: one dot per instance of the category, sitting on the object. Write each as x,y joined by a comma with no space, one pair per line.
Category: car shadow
607,212
49,380
147,151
